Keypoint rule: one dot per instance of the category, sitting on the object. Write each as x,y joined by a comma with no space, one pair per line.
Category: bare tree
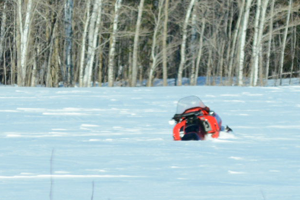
92,38
165,37
183,44
284,40
243,41
193,76
136,43
52,22
270,39
260,44
154,47
257,41
199,57
234,50
255,44
24,22
83,43
68,71
294,43
112,49
2,33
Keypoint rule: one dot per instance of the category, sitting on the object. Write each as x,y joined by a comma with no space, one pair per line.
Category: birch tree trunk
136,43
294,43
222,64
100,64
193,76
49,82
92,44
12,57
83,43
34,71
270,40
24,30
112,50
233,47
260,45
51,39
2,36
243,42
165,37
200,50
2,30
284,41
255,43
68,76
208,72
183,44
230,34
154,46
56,62
4,70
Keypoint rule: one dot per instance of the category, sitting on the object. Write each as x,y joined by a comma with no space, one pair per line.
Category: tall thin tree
136,44
3,30
183,44
284,41
270,39
243,42
112,47
234,49
255,45
165,38
83,43
24,37
154,47
92,38
258,67
68,71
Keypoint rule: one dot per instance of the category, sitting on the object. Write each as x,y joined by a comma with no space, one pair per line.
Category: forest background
132,42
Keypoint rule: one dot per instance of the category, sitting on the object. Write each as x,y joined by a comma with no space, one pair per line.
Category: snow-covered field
116,143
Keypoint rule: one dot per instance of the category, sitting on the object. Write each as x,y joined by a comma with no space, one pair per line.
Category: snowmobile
194,120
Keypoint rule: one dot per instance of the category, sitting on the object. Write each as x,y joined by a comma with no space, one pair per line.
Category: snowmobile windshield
188,103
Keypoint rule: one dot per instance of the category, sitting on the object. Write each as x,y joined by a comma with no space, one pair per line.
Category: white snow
120,141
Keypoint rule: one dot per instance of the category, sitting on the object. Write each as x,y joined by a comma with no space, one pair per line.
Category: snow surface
116,143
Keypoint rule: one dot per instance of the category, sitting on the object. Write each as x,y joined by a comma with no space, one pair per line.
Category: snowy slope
116,143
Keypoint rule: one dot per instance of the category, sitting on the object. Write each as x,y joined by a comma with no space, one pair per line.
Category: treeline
123,42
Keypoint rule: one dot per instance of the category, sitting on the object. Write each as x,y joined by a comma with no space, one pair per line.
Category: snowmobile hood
188,103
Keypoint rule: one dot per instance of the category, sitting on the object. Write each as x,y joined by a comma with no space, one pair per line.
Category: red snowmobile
195,120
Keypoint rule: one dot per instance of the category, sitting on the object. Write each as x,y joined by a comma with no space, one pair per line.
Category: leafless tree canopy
132,43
